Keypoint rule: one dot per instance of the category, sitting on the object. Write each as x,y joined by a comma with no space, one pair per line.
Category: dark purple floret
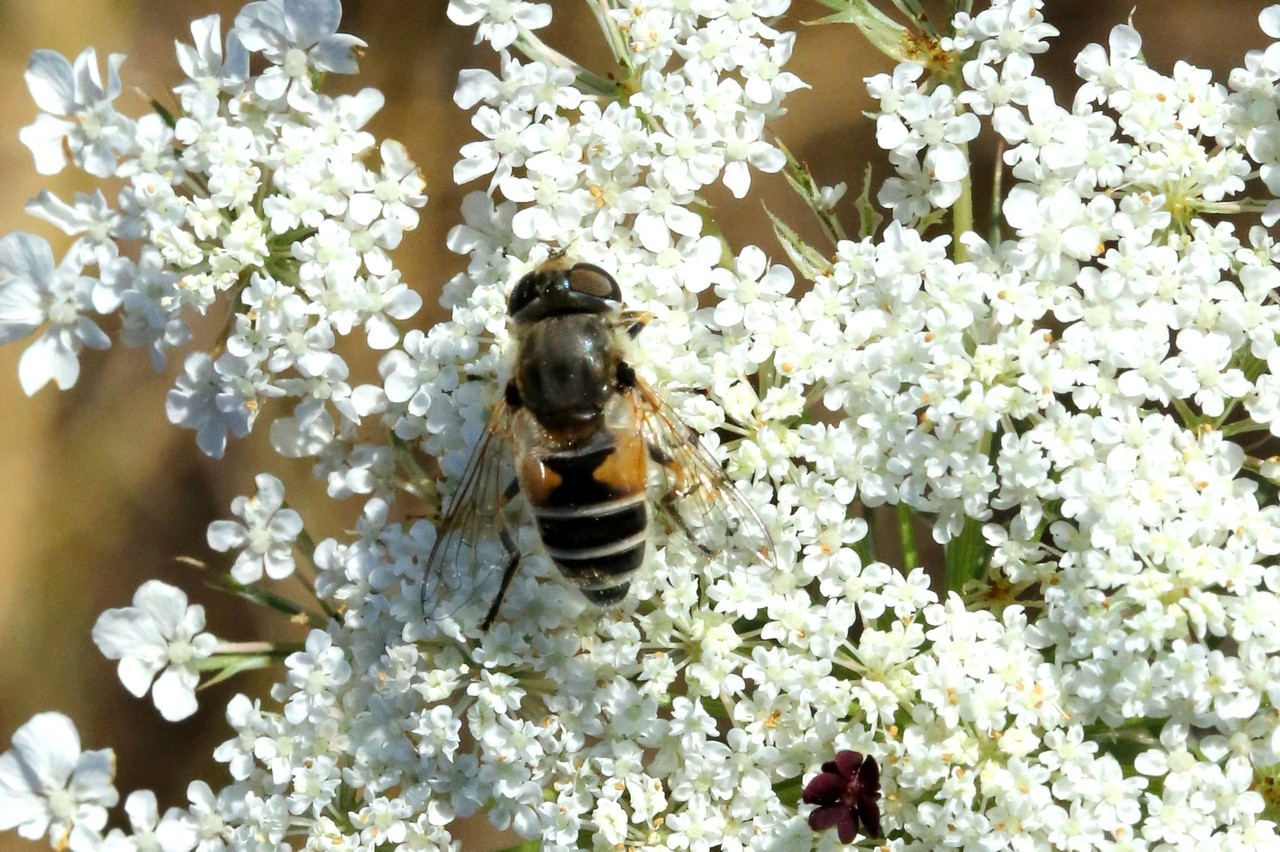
847,793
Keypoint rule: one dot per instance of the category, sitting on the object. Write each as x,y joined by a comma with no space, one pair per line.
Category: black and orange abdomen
592,511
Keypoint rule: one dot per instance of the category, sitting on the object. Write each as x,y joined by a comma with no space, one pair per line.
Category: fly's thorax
566,369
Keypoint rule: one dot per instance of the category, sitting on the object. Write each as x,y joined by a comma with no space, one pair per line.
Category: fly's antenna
568,249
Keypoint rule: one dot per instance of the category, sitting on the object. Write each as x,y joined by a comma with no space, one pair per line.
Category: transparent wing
699,498
474,543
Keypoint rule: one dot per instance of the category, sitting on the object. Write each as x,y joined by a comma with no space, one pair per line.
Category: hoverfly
577,433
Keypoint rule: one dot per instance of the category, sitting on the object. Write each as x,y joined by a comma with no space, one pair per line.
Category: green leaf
801,180
242,664
165,115
417,481
913,10
869,218
885,35
1251,365
808,261
256,594
788,790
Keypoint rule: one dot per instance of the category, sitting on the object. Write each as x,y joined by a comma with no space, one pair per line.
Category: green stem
535,48
1229,208
230,649
913,10
958,6
1241,427
1227,410
997,194
617,41
767,375
866,547
962,215
966,556
907,536
1189,419
801,180
261,596
788,790
307,545
308,578
229,324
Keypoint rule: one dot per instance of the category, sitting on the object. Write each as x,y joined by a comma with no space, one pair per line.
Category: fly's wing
700,499
473,543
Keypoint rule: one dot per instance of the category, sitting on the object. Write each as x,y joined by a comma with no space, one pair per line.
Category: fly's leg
513,562
513,556
679,486
686,390
633,322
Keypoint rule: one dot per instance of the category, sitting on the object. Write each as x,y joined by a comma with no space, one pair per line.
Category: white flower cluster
1062,406
257,192
159,635
265,539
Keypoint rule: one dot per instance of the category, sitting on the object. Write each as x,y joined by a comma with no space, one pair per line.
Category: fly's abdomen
593,514
597,547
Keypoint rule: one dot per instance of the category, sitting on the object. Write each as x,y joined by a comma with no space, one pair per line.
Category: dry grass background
99,493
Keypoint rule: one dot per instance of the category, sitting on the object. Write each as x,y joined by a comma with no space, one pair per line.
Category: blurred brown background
101,493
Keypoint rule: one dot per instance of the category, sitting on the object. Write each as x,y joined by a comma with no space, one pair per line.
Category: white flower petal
338,53
49,358
1269,20
165,604
652,230
309,21
227,535
44,138
48,746
136,673
52,84
270,492
21,311
26,257
18,804
174,693
364,208
247,568
126,632
91,783
278,563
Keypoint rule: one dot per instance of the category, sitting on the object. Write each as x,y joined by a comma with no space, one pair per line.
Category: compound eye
590,280
525,291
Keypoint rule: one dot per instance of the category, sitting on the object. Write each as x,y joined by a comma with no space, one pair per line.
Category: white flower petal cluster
499,23
50,788
77,115
925,134
174,831
260,191
35,294
158,641
265,539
